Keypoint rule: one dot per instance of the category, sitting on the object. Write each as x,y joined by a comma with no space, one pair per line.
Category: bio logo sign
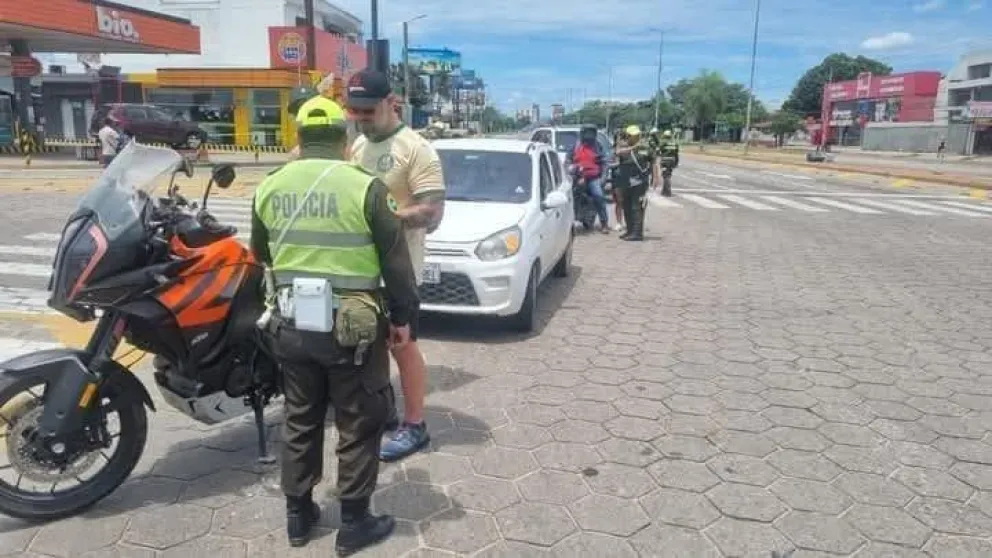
109,23
292,48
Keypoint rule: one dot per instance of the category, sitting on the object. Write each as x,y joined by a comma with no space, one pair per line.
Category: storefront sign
978,109
110,24
292,48
867,86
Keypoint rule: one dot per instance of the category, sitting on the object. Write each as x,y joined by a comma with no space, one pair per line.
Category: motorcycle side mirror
223,176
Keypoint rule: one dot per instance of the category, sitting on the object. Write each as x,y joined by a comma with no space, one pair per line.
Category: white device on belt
310,300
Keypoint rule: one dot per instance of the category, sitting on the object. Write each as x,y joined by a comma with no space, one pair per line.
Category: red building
849,105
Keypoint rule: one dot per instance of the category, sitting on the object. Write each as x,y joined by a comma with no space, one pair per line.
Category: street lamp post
750,90
407,78
657,94
373,53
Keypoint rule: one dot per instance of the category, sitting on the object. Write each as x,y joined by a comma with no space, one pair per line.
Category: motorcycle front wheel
90,464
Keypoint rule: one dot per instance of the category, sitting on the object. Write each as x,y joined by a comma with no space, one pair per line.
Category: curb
981,184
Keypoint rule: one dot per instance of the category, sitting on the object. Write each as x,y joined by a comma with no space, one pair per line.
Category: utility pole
373,53
407,77
609,101
308,15
750,90
657,95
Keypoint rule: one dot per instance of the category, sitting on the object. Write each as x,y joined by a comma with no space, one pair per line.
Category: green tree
807,96
785,123
705,100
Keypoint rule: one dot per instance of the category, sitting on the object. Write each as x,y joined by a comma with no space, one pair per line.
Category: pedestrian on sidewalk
411,169
941,149
109,138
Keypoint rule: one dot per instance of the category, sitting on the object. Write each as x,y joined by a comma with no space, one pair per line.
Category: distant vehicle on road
507,226
564,139
151,124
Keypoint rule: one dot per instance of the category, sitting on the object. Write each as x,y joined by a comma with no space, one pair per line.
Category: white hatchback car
507,226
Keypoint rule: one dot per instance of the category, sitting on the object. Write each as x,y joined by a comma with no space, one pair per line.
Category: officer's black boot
301,515
359,528
637,219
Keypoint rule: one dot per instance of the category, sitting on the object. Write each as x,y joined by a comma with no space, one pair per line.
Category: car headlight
501,245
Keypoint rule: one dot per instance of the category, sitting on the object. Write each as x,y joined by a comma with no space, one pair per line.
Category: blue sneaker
409,439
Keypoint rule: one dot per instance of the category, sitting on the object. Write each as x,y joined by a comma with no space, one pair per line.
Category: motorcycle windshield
119,196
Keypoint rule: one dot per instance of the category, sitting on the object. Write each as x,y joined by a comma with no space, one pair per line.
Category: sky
556,51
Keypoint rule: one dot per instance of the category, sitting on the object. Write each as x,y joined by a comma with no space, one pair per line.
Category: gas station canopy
94,26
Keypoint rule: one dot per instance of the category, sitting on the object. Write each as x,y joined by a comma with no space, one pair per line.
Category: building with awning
76,26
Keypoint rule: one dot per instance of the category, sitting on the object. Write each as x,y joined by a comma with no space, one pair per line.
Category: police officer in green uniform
635,166
668,157
324,229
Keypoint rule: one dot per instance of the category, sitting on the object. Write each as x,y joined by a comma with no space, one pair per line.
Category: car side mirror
554,200
223,175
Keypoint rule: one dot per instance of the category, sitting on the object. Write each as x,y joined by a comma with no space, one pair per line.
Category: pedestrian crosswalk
819,203
26,261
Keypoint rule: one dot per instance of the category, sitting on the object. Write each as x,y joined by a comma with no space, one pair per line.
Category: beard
366,128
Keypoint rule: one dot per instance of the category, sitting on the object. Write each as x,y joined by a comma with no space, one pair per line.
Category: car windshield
120,194
486,176
566,141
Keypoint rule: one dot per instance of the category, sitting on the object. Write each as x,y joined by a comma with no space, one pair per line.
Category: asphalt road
791,365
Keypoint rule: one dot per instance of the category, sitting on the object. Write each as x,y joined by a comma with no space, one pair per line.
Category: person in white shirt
109,139
411,169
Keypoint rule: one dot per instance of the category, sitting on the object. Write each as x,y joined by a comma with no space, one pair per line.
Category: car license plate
431,273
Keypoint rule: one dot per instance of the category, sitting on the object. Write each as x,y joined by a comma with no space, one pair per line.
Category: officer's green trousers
318,375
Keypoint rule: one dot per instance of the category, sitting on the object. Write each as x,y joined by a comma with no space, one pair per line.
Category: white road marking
973,206
232,203
750,204
704,202
953,210
27,251
795,205
792,176
27,301
10,347
26,269
894,207
847,206
711,175
44,237
661,201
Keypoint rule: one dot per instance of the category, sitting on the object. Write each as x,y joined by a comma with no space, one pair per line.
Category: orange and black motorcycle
168,279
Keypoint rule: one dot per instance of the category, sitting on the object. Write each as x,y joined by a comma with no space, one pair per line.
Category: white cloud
975,6
929,6
889,40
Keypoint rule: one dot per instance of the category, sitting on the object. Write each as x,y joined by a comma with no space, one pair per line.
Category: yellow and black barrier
211,147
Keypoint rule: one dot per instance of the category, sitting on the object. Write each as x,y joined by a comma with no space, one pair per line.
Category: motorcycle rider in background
591,169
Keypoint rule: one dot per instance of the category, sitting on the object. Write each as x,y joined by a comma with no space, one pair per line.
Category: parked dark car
151,124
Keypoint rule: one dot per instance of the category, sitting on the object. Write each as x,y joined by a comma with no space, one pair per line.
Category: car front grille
455,289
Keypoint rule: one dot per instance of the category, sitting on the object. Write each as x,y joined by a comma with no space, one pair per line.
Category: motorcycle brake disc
23,457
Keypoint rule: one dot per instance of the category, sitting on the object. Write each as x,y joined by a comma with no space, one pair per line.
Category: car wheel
525,320
194,140
565,262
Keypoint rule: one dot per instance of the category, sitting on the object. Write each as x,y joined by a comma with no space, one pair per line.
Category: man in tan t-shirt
411,169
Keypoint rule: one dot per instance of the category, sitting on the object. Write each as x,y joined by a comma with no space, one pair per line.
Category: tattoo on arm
423,215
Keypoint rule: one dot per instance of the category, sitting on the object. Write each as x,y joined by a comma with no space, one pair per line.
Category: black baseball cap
367,88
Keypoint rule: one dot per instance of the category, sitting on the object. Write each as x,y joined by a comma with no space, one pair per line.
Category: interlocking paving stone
842,407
